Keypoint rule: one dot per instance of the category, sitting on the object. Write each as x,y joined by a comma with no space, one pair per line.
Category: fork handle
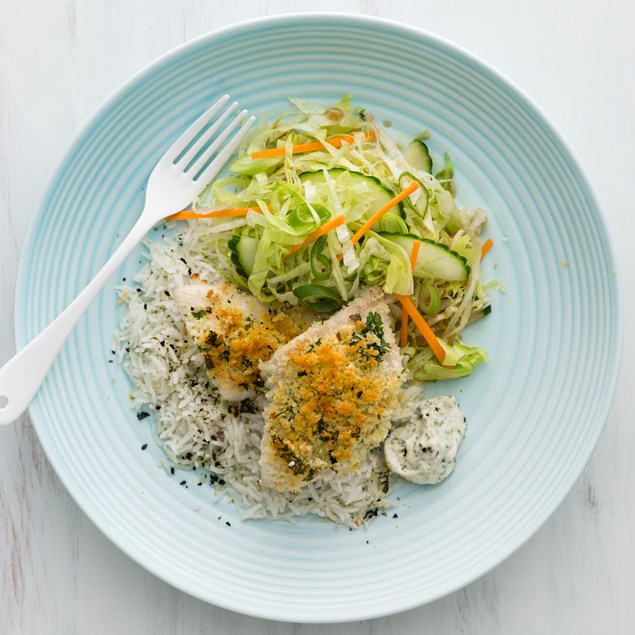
23,374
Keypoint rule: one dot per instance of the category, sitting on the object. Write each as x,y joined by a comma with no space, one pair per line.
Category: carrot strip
404,314
422,325
190,213
325,229
336,142
404,328
487,245
382,210
413,255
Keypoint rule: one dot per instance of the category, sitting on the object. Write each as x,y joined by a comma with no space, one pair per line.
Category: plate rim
357,19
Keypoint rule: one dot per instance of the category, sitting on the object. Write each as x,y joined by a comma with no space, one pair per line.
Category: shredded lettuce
460,360
348,181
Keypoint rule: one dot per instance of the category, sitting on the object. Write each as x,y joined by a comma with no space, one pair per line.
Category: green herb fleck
326,431
374,326
212,339
247,406
295,463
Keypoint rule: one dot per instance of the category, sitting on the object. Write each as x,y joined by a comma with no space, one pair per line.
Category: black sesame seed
142,415
171,470
145,307
182,482
395,516
144,446
167,293
221,481
123,279
228,523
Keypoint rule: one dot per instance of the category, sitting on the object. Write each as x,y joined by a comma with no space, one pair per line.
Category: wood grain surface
60,58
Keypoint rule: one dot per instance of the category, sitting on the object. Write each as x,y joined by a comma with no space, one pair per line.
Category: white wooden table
60,58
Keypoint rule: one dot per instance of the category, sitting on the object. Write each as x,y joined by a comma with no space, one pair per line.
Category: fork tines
194,150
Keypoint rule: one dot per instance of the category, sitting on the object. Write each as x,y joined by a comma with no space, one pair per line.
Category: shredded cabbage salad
275,252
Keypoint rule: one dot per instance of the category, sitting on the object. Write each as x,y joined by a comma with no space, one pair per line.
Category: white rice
195,430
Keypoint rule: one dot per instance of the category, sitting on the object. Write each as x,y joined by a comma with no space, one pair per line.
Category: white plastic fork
176,181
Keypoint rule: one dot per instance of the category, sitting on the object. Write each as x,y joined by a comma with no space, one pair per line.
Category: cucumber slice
378,196
243,254
435,259
418,155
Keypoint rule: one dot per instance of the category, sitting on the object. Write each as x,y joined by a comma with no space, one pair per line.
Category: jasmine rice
194,428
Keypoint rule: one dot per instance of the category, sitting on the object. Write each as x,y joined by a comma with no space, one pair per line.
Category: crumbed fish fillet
331,392
235,331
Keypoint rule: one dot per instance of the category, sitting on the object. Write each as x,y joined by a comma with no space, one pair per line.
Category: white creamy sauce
423,450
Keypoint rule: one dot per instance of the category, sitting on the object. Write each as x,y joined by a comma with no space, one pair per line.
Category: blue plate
535,412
